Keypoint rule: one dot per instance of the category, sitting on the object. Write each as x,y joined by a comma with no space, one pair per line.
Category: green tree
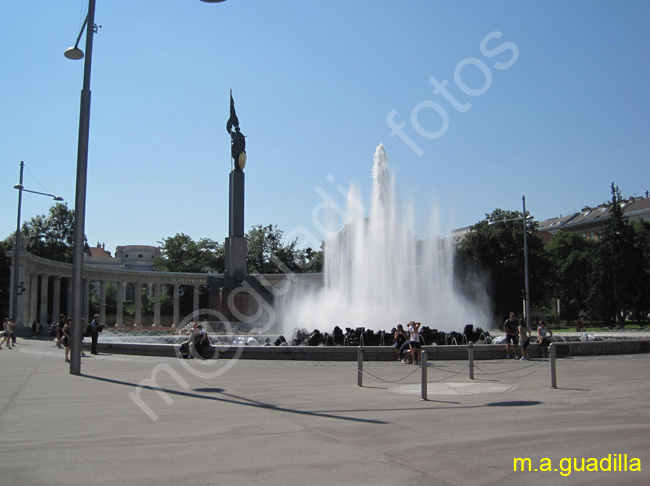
266,251
182,254
617,269
570,256
51,236
490,259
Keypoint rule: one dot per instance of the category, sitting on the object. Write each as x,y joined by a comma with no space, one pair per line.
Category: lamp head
213,1
74,53
58,198
18,186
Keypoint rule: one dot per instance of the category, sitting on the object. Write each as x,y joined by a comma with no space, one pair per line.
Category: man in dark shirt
510,328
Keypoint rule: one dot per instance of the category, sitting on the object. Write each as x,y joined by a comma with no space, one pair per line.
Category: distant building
589,222
131,257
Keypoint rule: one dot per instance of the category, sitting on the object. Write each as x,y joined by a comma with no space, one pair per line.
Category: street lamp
16,285
526,272
75,53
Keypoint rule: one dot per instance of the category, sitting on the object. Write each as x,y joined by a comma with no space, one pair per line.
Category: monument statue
237,138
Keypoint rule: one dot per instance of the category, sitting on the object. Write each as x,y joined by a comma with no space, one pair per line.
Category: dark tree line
605,279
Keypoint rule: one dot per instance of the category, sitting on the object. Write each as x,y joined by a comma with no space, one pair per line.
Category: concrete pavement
142,420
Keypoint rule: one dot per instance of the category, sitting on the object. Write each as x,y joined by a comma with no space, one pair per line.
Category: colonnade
45,291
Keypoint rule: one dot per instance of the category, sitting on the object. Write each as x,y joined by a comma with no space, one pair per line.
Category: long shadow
236,400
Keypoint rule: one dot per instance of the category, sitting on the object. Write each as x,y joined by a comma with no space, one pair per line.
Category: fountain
378,274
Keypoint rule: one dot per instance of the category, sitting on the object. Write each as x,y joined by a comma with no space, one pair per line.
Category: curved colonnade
45,291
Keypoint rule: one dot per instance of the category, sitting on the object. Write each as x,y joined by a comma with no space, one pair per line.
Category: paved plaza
136,420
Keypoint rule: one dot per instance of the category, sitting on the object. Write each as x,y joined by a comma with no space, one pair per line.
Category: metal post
470,349
553,349
423,363
360,366
80,200
14,293
523,198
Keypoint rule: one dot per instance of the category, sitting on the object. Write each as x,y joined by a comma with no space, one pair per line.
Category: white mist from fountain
378,274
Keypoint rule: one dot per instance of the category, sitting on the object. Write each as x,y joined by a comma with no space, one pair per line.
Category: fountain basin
377,353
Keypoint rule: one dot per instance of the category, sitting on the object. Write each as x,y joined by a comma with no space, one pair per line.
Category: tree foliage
182,254
49,236
619,268
491,259
571,256
268,254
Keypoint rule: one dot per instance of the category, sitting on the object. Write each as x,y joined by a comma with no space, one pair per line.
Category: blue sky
313,83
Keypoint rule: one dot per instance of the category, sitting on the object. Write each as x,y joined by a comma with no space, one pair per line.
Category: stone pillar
119,313
157,288
177,310
56,298
102,301
33,298
43,306
195,300
86,301
137,322
68,304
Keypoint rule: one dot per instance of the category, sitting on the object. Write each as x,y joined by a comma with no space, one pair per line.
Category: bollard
360,366
470,349
553,351
423,363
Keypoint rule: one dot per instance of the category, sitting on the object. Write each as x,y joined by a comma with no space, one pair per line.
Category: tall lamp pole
523,198
80,195
16,284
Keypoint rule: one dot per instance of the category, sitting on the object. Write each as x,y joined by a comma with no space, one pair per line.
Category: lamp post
75,53
526,271
21,188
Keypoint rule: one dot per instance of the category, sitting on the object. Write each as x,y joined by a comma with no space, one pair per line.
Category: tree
570,255
490,259
616,269
266,251
51,236
181,254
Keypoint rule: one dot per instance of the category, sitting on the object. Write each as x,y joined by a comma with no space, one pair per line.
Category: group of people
64,334
518,332
196,343
407,344
8,335
408,347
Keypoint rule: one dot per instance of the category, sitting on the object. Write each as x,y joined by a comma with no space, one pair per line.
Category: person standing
510,328
399,338
93,332
544,334
65,339
59,330
6,334
414,342
524,339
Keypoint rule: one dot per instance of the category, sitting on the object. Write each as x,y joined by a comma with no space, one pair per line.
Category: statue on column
237,138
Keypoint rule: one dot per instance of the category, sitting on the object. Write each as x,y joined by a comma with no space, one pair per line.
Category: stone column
56,298
157,288
119,313
102,301
33,298
86,301
137,322
195,299
177,310
68,305
44,289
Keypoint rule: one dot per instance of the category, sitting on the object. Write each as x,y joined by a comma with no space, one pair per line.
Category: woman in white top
414,343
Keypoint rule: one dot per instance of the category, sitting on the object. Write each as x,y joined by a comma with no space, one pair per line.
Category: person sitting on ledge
399,336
